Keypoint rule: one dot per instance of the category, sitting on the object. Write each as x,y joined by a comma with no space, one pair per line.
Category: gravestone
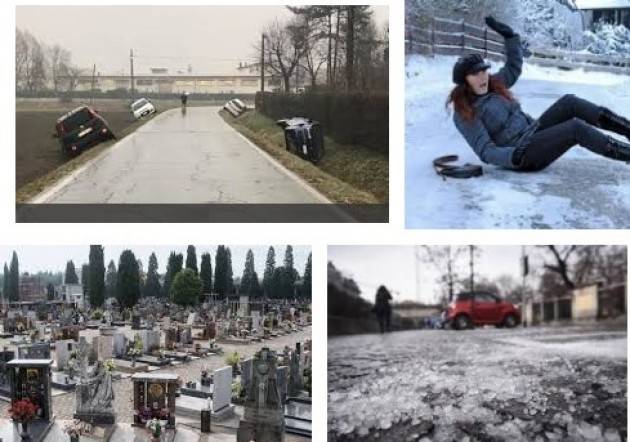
192,317
283,382
170,338
257,322
5,379
222,394
104,347
30,378
154,396
34,351
119,345
135,322
63,349
150,340
263,414
246,374
295,376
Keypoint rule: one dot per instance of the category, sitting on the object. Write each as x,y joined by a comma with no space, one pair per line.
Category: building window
144,82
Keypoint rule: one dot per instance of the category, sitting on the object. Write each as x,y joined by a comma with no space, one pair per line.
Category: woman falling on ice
500,133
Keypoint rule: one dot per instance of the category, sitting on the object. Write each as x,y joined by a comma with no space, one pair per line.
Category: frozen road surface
192,157
536,384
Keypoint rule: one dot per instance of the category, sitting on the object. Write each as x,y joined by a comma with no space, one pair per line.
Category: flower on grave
77,427
155,427
23,410
233,359
109,365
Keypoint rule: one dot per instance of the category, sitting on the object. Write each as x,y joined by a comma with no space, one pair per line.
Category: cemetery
235,367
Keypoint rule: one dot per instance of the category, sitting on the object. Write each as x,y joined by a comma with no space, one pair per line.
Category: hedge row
355,118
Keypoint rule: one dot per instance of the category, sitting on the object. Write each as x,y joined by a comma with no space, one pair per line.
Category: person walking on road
494,125
382,309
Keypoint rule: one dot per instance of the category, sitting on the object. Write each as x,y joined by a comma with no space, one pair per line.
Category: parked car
472,309
141,108
81,128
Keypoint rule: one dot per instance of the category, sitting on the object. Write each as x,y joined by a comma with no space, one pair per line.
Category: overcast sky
395,266
54,258
210,38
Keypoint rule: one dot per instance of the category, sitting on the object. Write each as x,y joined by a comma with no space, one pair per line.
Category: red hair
462,97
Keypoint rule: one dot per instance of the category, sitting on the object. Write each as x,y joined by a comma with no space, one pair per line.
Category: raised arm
478,138
513,67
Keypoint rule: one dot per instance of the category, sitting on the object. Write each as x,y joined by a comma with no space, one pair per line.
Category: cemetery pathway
192,157
547,384
64,405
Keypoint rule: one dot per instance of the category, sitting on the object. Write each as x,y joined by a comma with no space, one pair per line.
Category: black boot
608,120
617,150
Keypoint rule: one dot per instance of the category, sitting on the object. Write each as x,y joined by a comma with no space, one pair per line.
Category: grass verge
24,194
347,174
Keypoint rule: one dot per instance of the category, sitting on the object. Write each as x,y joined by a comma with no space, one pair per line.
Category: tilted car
472,309
81,128
141,108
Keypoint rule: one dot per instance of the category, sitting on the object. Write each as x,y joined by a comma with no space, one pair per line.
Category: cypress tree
128,281
110,280
205,273
186,288
96,279
270,266
191,259
71,274
307,288
248,274
14,279
173,267
152,285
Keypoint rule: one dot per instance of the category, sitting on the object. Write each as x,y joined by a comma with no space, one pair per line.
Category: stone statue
94,397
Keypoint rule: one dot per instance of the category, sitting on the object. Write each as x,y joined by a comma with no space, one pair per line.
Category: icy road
581,190
535,384
192,157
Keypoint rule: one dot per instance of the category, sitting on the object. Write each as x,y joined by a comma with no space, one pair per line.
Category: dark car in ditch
81,128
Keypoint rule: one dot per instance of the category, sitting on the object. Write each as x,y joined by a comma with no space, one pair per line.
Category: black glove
500,28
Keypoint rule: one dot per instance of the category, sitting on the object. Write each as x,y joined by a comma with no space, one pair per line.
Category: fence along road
183,158
456,37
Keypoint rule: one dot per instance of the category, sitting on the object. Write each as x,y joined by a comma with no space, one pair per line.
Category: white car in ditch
141,108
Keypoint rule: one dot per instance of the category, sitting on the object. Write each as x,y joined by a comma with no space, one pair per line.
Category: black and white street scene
203,105
156,343
554,87
477,343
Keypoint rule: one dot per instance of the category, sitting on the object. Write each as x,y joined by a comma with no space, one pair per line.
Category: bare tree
59,61
444,260
283,49
561,257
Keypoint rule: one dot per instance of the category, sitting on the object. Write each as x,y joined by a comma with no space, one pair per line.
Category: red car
480,308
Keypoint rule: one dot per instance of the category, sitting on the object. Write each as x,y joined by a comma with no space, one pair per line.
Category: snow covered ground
581,190
536,384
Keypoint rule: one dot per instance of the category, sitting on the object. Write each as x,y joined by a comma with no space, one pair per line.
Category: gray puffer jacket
499,125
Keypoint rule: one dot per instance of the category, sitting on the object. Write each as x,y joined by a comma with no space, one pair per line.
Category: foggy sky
395,266
53,258
213,39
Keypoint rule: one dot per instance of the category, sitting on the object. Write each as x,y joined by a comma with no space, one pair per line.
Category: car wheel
510,321
462,322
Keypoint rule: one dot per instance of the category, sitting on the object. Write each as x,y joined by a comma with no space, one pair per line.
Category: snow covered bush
549,24
607,39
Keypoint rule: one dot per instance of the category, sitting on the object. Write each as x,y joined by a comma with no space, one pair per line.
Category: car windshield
138,104
77,119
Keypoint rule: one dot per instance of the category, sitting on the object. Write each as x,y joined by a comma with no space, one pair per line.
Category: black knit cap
468,64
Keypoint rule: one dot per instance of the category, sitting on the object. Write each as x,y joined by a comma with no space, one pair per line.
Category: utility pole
416,252
524,273
92,89
472,268
133,91
262,71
